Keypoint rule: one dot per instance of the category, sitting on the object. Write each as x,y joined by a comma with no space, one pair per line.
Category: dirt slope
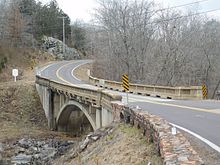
20,110
25,60
125,146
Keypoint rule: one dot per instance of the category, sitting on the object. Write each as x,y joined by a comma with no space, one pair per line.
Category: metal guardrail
193,92
97,97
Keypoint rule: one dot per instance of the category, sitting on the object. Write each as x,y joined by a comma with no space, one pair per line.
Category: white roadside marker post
173,130
88,73
15,74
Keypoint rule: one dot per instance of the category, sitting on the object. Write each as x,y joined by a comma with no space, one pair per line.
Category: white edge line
212,145
73,73
45,67
74,70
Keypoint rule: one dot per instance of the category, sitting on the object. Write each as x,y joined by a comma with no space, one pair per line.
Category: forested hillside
24,25
24,22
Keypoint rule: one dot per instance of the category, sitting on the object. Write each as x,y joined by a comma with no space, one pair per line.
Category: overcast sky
82,9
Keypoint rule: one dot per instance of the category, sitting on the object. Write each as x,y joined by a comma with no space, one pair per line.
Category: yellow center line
47,66
178,106
58,70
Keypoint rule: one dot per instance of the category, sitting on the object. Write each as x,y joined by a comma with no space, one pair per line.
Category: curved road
200,117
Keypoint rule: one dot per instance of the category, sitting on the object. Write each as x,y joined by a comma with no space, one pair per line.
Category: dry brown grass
126,145
20,110
25,60
21,113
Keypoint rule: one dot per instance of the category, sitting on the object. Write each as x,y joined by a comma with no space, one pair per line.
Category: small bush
3,62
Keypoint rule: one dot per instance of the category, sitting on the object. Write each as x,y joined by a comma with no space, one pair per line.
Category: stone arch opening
74,118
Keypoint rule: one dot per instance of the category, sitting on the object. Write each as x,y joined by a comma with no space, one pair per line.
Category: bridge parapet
192,92
97,97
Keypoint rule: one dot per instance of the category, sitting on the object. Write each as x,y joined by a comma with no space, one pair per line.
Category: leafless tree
158,47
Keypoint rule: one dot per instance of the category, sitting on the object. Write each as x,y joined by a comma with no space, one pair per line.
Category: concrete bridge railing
59,100
192,92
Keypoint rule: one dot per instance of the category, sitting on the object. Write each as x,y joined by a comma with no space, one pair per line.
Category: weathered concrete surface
192,92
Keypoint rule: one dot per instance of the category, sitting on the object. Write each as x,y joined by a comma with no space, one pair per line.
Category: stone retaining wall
174,149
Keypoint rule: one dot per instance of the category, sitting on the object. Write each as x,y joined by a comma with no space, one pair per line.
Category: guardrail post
179,91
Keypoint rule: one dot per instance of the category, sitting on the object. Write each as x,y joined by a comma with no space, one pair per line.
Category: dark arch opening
73,121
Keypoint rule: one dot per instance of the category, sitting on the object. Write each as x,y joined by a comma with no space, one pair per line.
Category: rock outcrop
55,47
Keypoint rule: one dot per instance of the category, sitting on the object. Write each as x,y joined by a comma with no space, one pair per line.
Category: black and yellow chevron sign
125,82
204,91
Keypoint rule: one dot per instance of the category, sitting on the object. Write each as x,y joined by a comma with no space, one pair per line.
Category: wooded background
155,46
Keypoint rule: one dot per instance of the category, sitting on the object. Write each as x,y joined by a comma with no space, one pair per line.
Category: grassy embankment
25,60
125,145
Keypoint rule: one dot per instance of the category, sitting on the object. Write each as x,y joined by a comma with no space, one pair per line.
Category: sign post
125,84
204,91
15,74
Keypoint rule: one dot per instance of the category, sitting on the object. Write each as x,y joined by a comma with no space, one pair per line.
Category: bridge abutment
47,101
107,117
98,118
